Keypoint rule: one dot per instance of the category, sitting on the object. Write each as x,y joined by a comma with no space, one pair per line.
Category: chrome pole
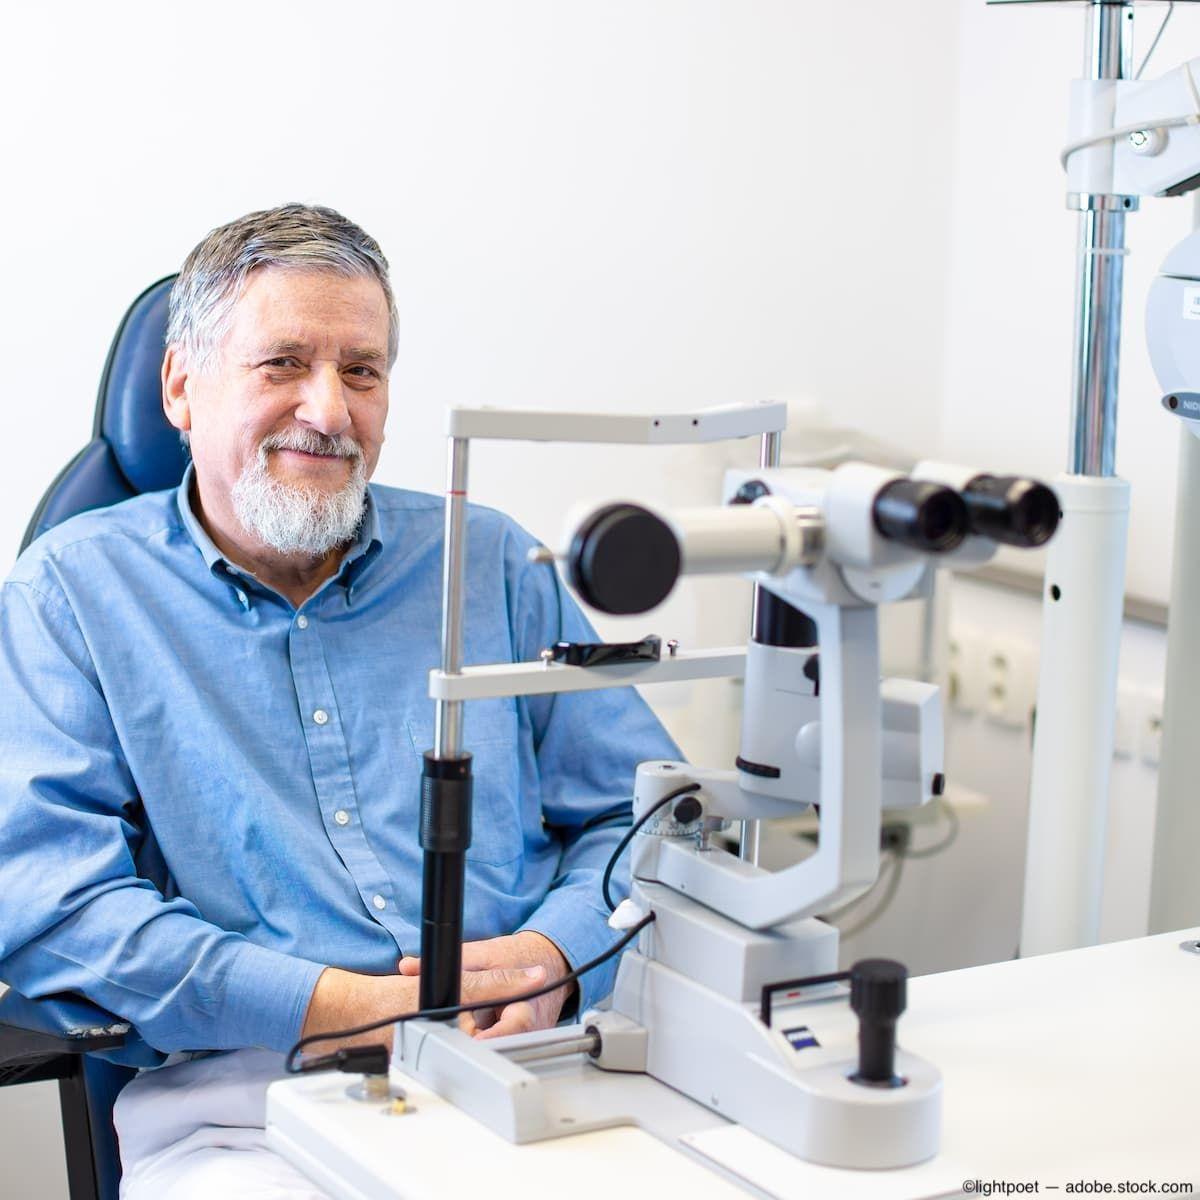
1100,269
448,726
585,1043
769,452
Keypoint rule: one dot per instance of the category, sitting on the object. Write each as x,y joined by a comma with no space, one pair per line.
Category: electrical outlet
1010,677
966,684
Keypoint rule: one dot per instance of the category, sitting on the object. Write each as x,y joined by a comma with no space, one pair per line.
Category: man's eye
285,361
362,372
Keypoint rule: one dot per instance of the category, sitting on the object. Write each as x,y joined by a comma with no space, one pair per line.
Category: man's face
303,364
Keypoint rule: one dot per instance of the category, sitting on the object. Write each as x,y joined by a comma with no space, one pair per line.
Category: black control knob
1007,508
878,995
926,516
623,559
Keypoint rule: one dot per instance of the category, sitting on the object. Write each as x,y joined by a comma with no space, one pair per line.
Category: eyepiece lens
937,518
925,516
1009,509
1037,513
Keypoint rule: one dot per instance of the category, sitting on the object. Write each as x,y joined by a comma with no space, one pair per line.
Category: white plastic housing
1076,706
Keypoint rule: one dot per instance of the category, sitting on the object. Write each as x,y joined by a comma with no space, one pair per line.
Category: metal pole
770,449
448,727
1100,270
580,1043
446,777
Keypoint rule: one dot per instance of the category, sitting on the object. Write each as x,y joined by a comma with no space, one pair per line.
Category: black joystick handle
878,995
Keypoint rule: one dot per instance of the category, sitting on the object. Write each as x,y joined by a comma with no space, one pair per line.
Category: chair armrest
42,1039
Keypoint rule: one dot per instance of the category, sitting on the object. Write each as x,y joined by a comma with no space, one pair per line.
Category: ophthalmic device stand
732,996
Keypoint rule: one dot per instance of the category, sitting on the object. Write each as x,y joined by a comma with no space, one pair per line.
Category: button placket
329,759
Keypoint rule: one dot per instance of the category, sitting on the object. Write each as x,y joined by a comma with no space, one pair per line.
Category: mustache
311,442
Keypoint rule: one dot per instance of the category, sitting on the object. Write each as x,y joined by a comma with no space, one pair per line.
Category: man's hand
504,956
345,999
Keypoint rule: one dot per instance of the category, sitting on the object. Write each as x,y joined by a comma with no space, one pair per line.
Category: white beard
293,519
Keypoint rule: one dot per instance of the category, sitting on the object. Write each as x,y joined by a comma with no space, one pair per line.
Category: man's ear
176,390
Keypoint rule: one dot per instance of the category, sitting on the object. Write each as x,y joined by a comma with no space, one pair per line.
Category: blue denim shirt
207,795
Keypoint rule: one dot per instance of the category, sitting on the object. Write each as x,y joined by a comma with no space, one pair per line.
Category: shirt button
321,716
342,817
379,902
301,622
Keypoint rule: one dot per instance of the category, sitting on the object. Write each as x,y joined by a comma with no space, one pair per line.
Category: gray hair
295,237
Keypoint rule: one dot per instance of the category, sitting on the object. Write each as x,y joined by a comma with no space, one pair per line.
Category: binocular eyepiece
925,516
934,518
1009,509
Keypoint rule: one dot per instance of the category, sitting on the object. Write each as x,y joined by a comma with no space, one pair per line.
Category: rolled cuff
581,932
267,996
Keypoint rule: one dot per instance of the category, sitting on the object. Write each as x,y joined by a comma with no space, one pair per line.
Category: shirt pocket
497,836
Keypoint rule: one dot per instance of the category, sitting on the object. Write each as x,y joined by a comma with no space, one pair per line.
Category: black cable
616,854
325,1061
622,811
618,812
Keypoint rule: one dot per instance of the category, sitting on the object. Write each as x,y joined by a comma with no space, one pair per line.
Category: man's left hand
524,949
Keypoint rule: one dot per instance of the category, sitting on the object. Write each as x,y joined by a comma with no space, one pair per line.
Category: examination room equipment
731,1038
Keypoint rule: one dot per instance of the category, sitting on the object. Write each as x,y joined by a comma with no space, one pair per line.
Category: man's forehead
290,312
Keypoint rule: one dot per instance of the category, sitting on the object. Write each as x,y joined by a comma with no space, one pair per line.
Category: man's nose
323,401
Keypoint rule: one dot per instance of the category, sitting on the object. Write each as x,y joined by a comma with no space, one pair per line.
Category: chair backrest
133,449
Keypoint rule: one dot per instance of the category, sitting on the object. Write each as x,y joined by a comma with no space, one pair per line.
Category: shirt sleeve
74,914
588,747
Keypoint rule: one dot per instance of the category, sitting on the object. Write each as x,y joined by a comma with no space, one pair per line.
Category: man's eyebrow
279,348
284,346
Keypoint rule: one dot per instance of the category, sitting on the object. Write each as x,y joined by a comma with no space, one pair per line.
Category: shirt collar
362,552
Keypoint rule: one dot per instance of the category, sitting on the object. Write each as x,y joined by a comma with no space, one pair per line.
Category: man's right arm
76,917
74,914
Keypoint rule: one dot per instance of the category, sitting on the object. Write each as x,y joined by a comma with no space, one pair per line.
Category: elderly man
215,707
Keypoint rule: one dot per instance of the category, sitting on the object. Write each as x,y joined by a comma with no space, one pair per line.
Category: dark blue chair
133,449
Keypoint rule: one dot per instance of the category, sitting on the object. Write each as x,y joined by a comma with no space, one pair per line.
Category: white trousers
194,1131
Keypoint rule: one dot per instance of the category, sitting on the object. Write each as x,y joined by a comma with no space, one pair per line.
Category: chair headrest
129,413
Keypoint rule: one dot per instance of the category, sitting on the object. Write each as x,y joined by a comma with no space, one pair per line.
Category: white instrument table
1082,1066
